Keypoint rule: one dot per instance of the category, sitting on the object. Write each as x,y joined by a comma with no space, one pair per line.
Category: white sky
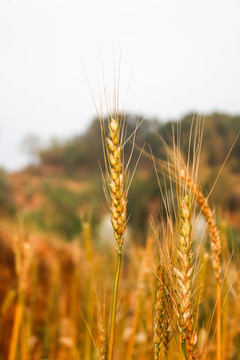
183,56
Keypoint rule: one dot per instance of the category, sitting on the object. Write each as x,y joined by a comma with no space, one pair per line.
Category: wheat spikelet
162,330
167,334
103,351
158,309
191,342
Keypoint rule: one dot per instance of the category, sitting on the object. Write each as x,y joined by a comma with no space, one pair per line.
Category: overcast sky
182,55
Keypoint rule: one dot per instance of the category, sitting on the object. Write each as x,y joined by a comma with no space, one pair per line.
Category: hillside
66,186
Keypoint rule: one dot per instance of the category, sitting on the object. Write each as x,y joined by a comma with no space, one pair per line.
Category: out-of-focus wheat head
160,316
23,254
103,349
163,296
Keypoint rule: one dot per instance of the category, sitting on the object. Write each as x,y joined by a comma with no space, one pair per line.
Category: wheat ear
162,313
116,181
117,197
215,242
212,227
184,281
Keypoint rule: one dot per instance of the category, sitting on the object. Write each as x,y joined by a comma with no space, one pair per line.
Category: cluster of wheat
175,306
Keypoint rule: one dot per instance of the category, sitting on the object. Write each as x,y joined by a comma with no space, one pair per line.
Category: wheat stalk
89,297
180,172
22,266
215,243
116,192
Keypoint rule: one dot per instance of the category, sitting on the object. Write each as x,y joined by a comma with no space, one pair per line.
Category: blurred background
178,60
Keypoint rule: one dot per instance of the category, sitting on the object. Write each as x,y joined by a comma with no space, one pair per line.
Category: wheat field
174,296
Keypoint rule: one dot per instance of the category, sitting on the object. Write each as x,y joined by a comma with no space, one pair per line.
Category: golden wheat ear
180,205
115,179
116,176
115,187
185,173
164,282
183,274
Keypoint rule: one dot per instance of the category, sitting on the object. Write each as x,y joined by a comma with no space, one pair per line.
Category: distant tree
31,145
7,204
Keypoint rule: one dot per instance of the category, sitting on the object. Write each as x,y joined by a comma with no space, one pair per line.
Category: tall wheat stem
114,306
219,345
117,195
16,329
89,254
22,266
